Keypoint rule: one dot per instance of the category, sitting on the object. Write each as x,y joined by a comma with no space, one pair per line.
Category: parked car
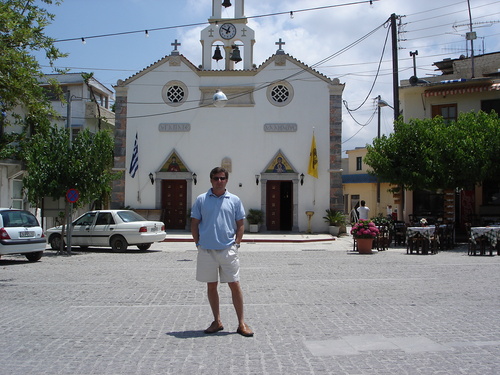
110,228
20,233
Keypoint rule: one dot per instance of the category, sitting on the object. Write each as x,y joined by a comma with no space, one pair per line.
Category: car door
103,229
81,233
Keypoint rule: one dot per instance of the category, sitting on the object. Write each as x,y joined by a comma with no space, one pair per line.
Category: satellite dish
413,80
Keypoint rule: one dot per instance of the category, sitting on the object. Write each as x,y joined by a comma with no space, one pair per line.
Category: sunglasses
219,178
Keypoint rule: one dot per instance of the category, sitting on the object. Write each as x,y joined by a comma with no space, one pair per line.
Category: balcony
92,112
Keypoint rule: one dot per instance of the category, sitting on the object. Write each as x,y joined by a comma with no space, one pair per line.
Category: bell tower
227,38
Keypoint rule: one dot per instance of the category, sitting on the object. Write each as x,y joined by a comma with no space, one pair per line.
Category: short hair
363,203
217,170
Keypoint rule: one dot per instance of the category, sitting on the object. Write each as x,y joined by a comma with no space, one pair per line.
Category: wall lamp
257,179
151,178
219,99
301,179
195,178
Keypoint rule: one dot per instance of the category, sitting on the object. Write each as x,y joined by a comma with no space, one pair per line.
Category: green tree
435,154
54,165
22,25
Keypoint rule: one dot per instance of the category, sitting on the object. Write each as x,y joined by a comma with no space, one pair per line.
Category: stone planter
334,230
365,245
254,228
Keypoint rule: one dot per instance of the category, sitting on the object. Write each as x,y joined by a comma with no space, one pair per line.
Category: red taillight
3,234
43,234
143,229
163,228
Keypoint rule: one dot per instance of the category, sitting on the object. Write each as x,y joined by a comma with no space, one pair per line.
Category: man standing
217,226
363,211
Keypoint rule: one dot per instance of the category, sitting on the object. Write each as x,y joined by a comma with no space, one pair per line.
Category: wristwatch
237,245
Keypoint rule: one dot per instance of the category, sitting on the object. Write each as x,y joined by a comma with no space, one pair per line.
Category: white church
171,130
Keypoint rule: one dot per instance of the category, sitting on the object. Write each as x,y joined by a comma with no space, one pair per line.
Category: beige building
359,185
465,85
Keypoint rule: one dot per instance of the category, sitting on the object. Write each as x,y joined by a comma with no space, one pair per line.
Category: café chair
399,233
416,244
383,238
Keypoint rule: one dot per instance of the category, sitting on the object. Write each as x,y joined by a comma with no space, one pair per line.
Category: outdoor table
491,233
427,233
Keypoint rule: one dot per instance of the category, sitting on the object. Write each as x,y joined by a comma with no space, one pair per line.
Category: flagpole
314,183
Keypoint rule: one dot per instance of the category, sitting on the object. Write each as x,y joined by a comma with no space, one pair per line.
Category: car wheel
34,257
118,243
144,246
55,242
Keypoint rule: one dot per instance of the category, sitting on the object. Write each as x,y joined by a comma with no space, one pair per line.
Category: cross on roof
280,43
175,44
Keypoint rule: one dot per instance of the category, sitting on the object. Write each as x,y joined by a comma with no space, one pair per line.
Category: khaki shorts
211,264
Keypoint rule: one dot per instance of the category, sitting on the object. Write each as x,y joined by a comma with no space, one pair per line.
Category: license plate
28,233
154,229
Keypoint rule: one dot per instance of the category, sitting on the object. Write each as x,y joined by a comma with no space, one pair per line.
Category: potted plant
335,219
364,232
255,218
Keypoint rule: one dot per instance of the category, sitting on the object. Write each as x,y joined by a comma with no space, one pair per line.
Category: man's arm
240,229
195,231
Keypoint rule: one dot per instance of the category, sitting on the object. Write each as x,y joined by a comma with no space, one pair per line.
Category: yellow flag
313,159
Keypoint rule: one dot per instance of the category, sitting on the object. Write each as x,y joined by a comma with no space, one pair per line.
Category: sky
345,39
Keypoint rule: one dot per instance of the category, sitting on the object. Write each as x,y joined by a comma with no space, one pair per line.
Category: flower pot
254,228
334,230
364,245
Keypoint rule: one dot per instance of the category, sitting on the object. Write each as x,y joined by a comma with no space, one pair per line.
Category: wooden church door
173,198
279,206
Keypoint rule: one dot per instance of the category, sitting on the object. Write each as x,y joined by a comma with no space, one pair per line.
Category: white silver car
20,233
110,228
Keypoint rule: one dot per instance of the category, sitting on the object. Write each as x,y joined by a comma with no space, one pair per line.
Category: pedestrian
217,226
363,211
354,213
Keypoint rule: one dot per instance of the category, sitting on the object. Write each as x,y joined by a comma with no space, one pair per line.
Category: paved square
315,307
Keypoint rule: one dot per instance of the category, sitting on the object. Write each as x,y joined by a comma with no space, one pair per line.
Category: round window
174,93
280,94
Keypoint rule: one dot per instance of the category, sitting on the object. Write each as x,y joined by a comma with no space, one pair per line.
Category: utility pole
471,35
69,206
395,67
395,91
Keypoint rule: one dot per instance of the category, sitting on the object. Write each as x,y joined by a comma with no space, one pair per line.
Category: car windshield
86,219
129,216
18,219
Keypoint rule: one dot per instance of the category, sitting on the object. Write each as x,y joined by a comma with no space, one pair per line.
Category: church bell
226,4
217,54
235,55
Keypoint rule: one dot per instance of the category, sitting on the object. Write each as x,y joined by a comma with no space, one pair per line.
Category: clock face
227,31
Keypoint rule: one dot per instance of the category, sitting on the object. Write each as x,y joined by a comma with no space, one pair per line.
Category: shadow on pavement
195,334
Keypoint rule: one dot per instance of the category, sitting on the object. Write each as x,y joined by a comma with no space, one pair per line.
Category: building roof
247,72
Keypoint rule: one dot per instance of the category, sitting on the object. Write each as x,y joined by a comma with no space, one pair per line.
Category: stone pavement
315,307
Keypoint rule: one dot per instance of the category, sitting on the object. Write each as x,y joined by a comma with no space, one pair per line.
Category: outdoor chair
399,233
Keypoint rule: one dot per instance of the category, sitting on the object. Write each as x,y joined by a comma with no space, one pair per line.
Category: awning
442,91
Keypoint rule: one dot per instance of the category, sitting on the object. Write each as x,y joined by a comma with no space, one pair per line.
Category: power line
147,31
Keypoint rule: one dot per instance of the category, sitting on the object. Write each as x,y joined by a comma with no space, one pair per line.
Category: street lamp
380,103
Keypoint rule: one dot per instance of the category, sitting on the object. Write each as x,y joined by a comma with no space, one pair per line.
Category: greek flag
134,162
